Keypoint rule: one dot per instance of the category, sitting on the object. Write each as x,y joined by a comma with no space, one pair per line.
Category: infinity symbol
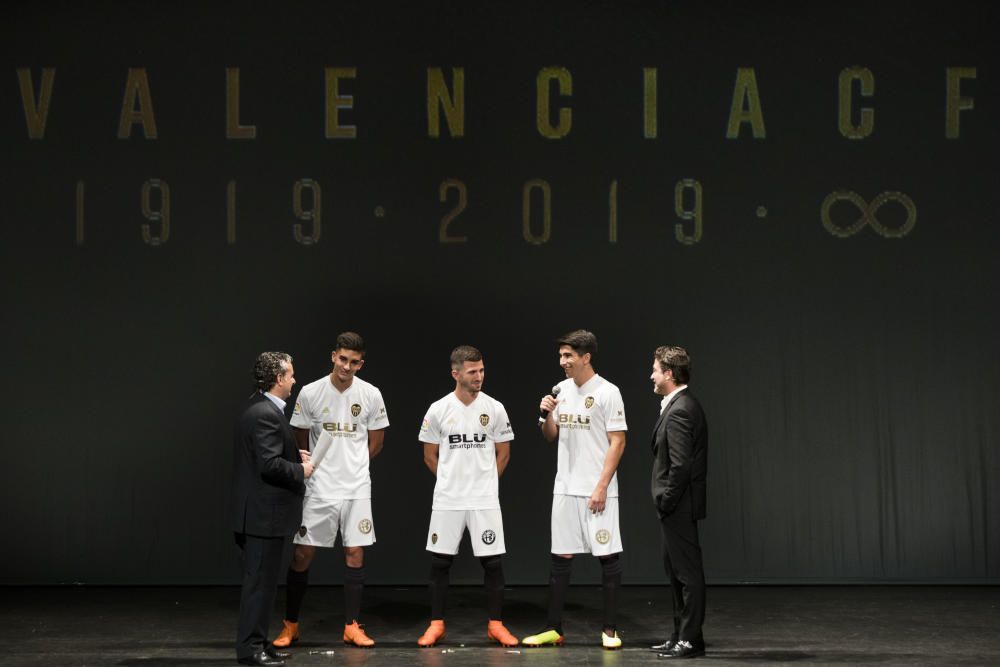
868,212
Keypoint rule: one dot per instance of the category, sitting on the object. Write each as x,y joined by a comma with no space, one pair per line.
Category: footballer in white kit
338,496
585,415
466,438
342,419
466,493
588,420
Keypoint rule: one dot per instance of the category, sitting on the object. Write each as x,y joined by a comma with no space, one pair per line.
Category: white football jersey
345,419
467,463
585,415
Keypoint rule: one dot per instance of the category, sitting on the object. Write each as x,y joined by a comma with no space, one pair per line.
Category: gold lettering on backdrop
36,111
439,98
233,128
446,185
312,215
845,83
649,102
954,102
335,102
137,90
529,235
160,215
746,105
869,214
693,214
543,118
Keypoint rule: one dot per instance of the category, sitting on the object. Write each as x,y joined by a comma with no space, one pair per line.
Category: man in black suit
269,473
680,457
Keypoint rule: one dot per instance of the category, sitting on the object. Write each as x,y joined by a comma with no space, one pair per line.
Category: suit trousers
682,562
261,566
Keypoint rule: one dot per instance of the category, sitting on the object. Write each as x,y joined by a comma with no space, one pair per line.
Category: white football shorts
577,530
485,531
322,519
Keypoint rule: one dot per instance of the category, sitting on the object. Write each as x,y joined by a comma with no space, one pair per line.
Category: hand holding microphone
548,404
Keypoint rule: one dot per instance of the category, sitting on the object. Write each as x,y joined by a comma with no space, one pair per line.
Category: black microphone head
555,391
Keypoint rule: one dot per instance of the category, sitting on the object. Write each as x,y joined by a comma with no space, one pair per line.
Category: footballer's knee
302,557
354,556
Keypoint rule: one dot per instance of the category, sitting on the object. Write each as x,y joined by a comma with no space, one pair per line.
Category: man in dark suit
269,473
680,457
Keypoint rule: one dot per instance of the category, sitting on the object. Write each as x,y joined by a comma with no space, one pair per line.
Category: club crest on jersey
489,537
338,426
484,419
588,402
302,531
355,410
365,526
602,536
298,408
434,538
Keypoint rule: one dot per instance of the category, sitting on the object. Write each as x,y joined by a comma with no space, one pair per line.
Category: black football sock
354,585
440,572
493,581
295,590
558,583
611,582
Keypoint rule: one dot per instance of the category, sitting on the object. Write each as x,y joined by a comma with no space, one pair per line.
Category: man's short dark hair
675,359
581,340
351,341
464,353
269,367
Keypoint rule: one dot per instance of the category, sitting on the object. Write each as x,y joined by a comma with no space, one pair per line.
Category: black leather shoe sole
682,654
275,654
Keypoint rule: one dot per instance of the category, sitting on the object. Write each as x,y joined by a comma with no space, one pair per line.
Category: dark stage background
848,370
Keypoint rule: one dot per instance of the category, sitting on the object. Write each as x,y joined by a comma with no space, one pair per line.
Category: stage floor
757,625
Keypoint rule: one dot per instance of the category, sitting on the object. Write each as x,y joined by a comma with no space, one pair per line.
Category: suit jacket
680,457
268,479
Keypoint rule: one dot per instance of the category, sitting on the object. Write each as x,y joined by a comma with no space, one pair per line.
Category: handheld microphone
542,414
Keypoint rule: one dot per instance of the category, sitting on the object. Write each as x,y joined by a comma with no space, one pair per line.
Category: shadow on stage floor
755,625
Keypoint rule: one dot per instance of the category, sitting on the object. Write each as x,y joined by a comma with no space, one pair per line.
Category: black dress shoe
683,649
261,658
664,647
272,652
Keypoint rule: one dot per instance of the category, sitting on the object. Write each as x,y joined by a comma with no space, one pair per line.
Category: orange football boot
355,634
432,635
289,635
498,633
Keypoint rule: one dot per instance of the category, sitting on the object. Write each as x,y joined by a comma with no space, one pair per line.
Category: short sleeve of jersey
301,415
377,416
502,431
429,431
614,411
